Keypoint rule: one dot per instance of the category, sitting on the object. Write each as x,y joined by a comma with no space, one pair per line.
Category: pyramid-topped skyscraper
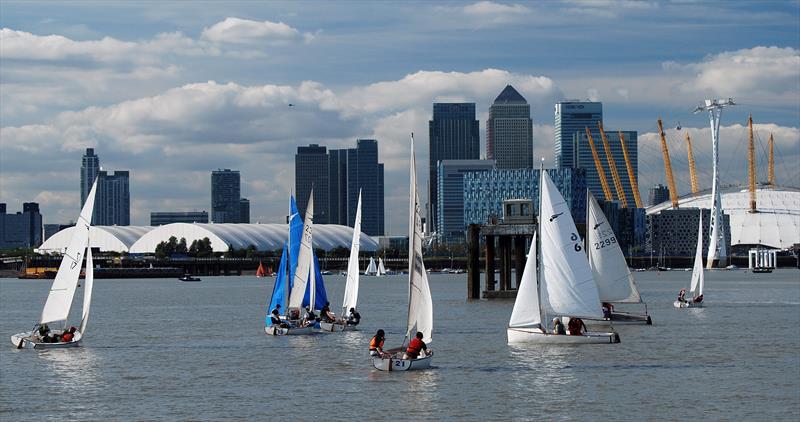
509,131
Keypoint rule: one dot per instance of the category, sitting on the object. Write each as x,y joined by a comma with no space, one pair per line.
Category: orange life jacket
374,344
67,337
414,347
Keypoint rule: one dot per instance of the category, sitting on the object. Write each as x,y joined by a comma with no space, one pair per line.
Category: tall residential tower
509,131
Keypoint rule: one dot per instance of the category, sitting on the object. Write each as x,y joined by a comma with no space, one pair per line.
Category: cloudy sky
173,90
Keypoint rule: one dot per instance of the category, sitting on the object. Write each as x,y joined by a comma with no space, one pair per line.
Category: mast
412,208
716,247
539,273
692,169
631,173
612,165
673,192
751,164
599,167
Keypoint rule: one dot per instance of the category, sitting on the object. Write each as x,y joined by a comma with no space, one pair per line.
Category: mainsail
420,305
568,287
696,288
381,268
351,287
614,279
59,300
372,269
304,259
526,312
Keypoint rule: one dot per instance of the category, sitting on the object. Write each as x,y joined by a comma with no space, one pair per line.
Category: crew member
376,344
415,347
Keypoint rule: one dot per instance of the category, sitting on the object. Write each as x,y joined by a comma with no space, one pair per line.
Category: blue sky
173,90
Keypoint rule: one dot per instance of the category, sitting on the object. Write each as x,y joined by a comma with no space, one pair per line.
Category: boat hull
334,327
272,330
679,304
536,336
621,318
29,341
392,364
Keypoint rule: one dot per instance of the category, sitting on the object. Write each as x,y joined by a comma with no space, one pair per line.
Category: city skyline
174,92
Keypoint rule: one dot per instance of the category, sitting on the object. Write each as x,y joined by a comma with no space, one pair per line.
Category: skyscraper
574,117
225,196
311,170
453,134
450,226
509,131
585,160
23,229
90,165
351,170
113,202
657,194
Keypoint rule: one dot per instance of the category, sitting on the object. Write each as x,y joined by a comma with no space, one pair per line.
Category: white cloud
487,14
245,31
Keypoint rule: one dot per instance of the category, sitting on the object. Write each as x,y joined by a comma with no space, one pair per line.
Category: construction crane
612,165
692,170
599,167
673,193
771,162
631,173
751,164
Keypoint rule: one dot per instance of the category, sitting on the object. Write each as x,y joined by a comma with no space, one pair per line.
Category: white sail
526,312
59,301
304,258
614,279
420,305
351,287
372,269
568,287
696,288
381,268
88,284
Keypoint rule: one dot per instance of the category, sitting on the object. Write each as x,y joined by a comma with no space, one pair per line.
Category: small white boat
420,304
350,299
381,268
615,282
563,285
59,300
698,276
372,268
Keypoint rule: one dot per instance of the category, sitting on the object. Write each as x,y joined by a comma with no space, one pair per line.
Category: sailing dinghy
420,305
615,283
295,289
59,300
381,268
351,285
372,268
261,272
698,276
563,286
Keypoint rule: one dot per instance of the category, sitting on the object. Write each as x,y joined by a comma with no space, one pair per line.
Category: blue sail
295,235
279,290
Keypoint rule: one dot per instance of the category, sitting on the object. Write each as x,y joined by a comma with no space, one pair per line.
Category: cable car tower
717,250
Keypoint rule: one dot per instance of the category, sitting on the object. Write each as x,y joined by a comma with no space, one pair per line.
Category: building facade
673,232
22,229
90,167
629,225
484,192
311,170
585,160
573,117
450,196
350,171
226,196
453,134
509,131
160,218
113,201
657,194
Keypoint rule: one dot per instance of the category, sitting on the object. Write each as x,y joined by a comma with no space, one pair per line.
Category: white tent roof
106,238
775,225
265,237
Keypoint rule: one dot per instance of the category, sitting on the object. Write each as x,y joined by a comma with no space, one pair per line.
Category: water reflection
544,372
75,368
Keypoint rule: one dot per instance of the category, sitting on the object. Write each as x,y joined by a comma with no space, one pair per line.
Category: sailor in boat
326,314
376,344
576,327
353,317
697,299
607,310
275,318
416,347
68,335
682,295
558,327
310,318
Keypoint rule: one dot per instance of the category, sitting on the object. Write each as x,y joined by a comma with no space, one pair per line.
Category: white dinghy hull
396,364
334,327
33,342
621,318
272,330
679,304
535,335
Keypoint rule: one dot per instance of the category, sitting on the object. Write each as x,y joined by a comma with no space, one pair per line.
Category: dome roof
775,225
265,237
106,238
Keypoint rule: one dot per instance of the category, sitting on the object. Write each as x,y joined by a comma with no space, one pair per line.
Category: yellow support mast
673,193
751,164
692,169
771,161
612,165
631,173
599,167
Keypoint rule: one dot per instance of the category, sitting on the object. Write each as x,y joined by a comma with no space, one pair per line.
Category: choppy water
162,349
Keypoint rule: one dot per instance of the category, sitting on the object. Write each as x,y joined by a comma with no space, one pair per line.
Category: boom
599,167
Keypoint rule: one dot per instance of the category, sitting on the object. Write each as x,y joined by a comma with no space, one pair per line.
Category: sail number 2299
605,242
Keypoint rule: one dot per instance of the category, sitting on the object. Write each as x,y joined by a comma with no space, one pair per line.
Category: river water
164,350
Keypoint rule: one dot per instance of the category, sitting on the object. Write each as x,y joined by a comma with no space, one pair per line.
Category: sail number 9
605,242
